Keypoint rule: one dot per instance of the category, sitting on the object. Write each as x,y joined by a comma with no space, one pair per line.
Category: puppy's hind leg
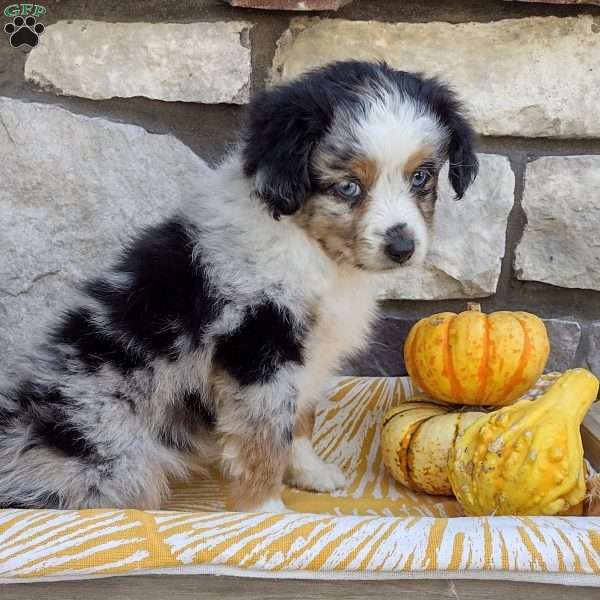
256,465
256,436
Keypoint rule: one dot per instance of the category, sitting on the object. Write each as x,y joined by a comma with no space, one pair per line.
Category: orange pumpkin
477,359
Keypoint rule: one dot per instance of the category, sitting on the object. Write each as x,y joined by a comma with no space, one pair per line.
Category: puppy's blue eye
420,176
348,189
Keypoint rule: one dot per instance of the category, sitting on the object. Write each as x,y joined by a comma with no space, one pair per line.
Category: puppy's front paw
308,472
327,478
323,477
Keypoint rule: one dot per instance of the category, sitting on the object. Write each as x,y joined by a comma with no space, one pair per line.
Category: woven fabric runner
375,529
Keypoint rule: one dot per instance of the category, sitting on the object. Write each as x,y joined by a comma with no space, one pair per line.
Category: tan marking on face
365,170
335,225
331,223
416,159
305,423
335,222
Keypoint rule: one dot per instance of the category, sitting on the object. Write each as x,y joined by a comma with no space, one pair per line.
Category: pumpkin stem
474,306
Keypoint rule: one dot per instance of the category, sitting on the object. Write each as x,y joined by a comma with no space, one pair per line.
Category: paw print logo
24,31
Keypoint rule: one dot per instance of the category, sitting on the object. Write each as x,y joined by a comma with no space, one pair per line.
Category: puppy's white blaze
394,128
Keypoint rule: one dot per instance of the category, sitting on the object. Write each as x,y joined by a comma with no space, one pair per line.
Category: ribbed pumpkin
526,459
477,359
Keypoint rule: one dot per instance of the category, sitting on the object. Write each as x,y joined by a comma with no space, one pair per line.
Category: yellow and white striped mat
373,530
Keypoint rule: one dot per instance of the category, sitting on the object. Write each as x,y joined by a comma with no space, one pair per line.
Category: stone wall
107,122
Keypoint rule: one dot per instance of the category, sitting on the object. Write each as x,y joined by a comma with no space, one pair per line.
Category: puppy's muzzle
399,243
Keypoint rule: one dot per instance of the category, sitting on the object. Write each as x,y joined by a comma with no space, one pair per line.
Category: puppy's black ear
464,165
282,127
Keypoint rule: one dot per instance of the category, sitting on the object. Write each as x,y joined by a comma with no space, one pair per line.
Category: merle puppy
211,337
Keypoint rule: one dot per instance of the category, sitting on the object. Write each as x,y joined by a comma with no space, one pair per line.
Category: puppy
211,337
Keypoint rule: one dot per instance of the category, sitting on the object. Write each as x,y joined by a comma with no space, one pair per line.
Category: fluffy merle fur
210,338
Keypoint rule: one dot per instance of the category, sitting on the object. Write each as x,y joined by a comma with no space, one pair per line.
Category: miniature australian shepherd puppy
210,339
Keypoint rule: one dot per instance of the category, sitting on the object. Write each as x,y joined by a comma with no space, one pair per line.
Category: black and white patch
268,338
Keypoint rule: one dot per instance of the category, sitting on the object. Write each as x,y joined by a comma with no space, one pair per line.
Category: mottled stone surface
560,244
511,73
385,354
565,335
290,4
73,188
189,62
468,241
592,359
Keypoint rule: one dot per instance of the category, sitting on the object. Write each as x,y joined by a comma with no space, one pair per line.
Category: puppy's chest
342,325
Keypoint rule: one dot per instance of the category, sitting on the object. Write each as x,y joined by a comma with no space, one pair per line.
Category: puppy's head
353,152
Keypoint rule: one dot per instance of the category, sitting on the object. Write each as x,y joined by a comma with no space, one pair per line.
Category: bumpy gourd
526,459
477,359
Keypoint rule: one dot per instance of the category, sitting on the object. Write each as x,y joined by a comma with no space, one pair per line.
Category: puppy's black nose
399,243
